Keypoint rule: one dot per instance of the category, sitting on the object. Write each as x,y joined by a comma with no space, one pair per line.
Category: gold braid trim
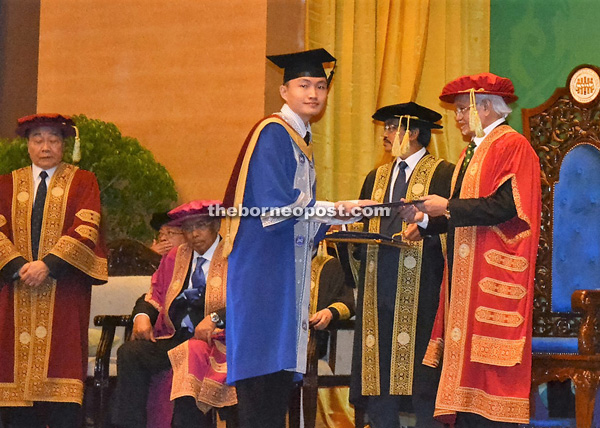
315,276
408,285
342,309
206,392
2,220
21,210
498,317
182,264
87,232
495,351
499,288
433,354
81,256
8,251
216,283
89,216
506,261
370,327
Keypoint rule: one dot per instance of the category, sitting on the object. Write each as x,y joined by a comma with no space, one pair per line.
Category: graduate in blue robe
269,256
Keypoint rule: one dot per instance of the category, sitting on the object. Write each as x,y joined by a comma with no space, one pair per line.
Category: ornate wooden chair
565,132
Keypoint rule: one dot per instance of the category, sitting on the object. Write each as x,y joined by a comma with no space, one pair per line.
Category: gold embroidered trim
506,261
370,379
502,289
2,220
498,317
216,284
342,309
520,213
180,269
81,256
495,351
8,251
207,393
87,232
89,216
433,354
408,284
21,210
317,266
503,409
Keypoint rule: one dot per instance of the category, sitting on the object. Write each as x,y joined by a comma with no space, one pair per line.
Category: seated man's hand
204,330
34,273
434,205
161,247
142,328
321,319
412,233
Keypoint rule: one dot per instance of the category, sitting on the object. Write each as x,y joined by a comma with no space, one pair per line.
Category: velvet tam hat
303,64
484,83
420,116
194,210
64,123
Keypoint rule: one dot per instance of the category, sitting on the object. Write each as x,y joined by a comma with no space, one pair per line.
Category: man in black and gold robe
399,288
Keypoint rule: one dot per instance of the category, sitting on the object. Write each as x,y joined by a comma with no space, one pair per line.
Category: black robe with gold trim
43,329
373,372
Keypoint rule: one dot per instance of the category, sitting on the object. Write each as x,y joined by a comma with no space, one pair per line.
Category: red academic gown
44,329
484,327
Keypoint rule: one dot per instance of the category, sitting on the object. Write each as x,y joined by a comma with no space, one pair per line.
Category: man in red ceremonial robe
484,322
51,252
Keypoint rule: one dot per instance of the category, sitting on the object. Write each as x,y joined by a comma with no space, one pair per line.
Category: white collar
487,130
292,118
36,171
412,160
208,254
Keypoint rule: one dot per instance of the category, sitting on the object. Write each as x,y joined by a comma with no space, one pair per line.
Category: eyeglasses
195,226
169,233
390,128
461,110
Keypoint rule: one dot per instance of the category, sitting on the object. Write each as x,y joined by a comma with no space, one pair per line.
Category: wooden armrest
587,302
109,323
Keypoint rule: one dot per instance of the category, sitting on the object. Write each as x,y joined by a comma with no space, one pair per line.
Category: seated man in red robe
186,302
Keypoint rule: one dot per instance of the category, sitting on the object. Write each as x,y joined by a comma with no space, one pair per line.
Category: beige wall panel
184,77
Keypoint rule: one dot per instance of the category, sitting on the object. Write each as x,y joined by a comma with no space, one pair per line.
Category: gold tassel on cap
474,120
77,147
402,148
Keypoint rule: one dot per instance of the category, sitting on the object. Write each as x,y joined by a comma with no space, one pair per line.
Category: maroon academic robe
44,329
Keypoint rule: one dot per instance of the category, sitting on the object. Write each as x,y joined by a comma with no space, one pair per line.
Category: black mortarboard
303,64
158,220
419,116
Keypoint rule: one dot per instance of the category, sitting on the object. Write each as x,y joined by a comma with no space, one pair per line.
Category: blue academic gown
268,280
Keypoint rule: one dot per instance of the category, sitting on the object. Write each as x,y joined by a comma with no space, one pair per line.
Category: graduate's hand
412,233
321,319
34,273
410,213
204,330
434,205
142,329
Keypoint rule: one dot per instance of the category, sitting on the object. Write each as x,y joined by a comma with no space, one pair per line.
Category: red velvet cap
193,209
484,83
63,123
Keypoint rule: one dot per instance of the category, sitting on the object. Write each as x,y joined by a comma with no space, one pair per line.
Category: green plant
132,184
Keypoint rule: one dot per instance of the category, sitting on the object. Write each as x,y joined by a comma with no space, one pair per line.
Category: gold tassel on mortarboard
402,148
77,147
474,120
